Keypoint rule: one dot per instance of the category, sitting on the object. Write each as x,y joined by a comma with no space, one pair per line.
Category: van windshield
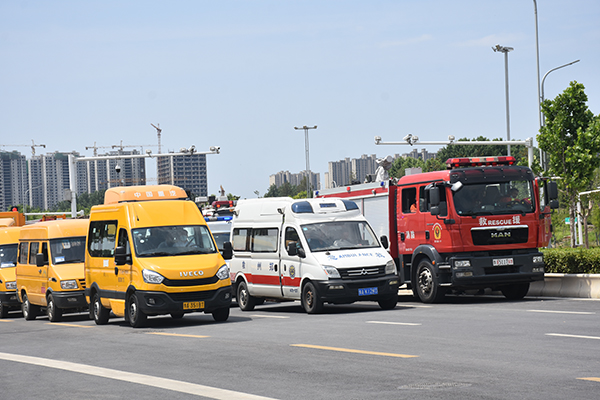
172,241
67,250
8,255
339,235
514,197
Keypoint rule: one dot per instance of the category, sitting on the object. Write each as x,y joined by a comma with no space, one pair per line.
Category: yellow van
9,241
149,252
50,268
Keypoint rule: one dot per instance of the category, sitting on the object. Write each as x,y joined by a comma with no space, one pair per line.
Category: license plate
367,291
193,305
496,262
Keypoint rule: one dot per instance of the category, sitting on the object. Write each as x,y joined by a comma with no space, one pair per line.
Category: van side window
33,250
409,200
291,236
45,251
264,240
102,238
23,252
240,239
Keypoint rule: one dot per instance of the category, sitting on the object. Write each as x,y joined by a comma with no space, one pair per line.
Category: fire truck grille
492,237
363,272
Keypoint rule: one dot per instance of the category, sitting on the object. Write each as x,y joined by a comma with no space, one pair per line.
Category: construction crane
96,148
121,146
33,146
158,131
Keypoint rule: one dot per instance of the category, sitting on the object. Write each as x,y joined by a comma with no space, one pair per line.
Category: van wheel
516,291
54,313
244,299
3,310
100,314
428,288
311,302
221,314
388,303
30,311
137,318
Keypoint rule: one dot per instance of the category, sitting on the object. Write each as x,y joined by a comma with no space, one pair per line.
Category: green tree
400,164
481,150
571,138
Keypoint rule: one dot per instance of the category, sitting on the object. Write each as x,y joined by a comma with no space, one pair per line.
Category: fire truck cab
477,225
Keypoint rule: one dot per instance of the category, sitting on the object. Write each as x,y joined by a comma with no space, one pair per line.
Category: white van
314,250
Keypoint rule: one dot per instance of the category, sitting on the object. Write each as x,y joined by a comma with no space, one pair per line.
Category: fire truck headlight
538,259
331,272
390,267
70,284
11,285
223,272
462,263
152,277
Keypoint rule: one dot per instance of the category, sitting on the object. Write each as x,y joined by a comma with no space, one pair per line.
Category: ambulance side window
264,240
241,238
291,236
102,238
409,200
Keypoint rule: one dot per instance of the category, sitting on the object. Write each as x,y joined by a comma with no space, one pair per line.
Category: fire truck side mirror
552,190
434,196
384,242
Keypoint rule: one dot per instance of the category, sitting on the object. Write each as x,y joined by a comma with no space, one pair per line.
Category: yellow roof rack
144,193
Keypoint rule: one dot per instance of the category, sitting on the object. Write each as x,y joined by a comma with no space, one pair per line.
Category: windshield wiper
156,254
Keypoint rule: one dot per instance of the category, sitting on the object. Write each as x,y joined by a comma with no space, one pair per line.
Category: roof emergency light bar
464,162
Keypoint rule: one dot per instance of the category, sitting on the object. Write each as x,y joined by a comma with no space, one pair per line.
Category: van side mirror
121,256
227,251
384,242
39,260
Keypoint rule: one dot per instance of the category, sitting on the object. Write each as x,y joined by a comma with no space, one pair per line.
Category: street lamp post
505,50
306,128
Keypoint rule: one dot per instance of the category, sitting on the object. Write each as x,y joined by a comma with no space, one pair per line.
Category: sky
242,74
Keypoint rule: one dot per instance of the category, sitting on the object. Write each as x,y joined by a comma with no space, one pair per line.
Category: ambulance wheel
516,291
428,288
244,299
98,312
311,302
221,314
388,303
30,311
54,313
3,310
137,318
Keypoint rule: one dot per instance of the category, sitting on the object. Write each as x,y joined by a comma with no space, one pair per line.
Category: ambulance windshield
513,197
339,235
172,241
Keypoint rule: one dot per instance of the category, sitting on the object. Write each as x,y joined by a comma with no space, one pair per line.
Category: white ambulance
313,250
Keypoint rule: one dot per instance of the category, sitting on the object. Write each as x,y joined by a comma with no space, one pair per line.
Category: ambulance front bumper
339,291
157,303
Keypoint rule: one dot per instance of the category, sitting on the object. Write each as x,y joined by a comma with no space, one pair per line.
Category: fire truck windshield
510,197
339,235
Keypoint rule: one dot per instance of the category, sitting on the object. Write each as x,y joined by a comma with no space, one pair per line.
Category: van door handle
40,271
116,270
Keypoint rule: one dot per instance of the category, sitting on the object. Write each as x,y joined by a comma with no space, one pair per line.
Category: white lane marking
268,316
393,323
148,380
413,306
573,336
563,312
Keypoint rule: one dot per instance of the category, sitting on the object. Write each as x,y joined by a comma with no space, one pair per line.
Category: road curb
567,285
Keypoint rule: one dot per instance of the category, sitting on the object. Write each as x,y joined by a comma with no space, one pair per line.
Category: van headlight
223,272
331,272
11,285
390,267
152,277
70,284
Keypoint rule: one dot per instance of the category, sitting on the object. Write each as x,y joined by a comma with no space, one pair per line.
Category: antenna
158,131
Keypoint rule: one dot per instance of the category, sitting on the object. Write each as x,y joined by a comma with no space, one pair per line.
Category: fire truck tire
311,302
30,311
427,286
54,313
137,318
99,313
244,299
221,314
389,303
516,291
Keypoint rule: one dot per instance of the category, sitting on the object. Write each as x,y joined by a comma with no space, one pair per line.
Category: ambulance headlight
223,272
331,272
70,284
152,277
390,267
11,285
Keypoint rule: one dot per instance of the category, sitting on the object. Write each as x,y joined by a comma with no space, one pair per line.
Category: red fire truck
477,225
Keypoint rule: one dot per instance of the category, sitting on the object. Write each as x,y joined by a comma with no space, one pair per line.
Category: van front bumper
157,303
9,299
340,291
66,300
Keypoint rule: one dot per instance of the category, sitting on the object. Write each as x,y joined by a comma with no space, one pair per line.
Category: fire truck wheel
516,291
388,303
30,311
428,288
99,313
137,318
311,302
245,301
54,313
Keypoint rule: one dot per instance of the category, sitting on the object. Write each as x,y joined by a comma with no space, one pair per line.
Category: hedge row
572,261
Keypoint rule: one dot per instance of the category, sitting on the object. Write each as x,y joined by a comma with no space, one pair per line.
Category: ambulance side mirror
227,251
294,249
384,242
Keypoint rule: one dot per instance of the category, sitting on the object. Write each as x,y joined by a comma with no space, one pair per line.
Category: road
465,348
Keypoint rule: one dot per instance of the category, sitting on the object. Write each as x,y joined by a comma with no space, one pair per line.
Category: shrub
572,261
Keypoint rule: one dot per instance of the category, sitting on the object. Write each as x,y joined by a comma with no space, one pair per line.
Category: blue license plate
367,291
